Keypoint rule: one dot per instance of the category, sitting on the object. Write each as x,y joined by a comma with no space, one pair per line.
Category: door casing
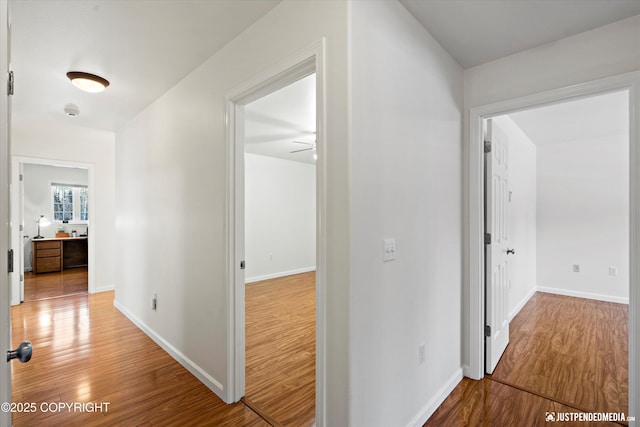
309,60
474,292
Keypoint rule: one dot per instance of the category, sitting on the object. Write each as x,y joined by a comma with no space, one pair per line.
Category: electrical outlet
576,268
389,250
613,271
421,353
154,302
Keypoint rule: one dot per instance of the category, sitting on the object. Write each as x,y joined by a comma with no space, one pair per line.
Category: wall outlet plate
389,250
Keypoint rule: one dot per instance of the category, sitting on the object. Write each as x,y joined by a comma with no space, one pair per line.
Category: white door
5,235
497,251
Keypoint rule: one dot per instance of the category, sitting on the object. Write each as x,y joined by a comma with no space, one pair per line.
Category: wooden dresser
56,254
47,255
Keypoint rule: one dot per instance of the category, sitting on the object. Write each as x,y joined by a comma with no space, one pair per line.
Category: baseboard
279,274
522,303
579,294
104,289
214,385
433,404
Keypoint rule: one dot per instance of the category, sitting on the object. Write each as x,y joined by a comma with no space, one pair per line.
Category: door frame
17,286
475,260
308,61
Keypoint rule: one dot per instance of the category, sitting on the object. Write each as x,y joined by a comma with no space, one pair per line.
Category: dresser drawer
46,253
44,265
48,245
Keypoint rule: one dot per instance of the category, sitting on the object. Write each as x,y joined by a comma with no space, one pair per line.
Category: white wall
56,140
583,217
171,187
37,200
406,94
522,214
280,217
605,51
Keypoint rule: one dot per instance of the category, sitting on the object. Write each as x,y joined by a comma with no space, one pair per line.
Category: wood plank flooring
56,284
565,355
493,404
87,351
280,349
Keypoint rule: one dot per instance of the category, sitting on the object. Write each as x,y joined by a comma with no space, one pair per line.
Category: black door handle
22,353
511,251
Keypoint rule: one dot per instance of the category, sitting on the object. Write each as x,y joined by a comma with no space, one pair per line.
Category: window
70,203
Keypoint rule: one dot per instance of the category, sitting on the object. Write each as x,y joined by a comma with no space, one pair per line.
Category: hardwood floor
490,403
87,351
565,355
280,349
57,284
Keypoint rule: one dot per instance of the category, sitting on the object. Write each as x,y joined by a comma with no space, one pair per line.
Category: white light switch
389,250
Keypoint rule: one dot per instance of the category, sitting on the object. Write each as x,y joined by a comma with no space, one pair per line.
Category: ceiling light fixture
88,82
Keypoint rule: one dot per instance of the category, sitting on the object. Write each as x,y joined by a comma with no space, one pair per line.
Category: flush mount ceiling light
87,82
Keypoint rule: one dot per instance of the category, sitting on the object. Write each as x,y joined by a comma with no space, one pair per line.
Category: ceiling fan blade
304,149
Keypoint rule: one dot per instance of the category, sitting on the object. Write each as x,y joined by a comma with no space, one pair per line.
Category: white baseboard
279,274
214,385
579,294
104,289
522,303
433,404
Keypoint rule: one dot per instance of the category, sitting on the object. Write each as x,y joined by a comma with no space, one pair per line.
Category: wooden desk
56,254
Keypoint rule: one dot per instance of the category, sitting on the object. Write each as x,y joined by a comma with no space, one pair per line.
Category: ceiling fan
311,146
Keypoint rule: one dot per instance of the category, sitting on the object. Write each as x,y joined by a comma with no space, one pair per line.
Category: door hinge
10,84
487,238
487,146
10,260
242,265
21,227
487,330
21,177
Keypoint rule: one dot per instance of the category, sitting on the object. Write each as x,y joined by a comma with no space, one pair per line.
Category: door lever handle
22,353
511,251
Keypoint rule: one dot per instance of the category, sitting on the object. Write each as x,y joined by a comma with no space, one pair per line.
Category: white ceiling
274,122
142,47
585,118
479,31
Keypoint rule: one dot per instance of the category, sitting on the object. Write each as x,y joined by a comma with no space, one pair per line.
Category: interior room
280,252
150,98
57,197
568,228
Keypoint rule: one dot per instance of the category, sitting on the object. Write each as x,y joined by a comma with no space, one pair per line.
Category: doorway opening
475,265
307,64
52,204
280,253
564,240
